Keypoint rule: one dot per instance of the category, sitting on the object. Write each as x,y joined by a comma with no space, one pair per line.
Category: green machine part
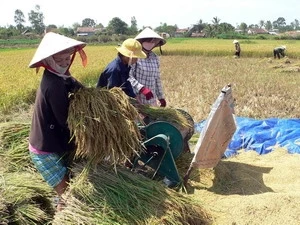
167,142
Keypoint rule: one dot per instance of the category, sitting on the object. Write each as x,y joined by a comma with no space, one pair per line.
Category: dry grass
180,64
251,189
99,196
260,90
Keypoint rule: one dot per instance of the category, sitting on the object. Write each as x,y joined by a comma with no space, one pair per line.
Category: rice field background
193,72
247,189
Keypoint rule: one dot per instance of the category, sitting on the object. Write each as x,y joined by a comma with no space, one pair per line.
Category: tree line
119,27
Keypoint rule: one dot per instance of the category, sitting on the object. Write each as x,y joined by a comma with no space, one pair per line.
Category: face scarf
55,68
148,46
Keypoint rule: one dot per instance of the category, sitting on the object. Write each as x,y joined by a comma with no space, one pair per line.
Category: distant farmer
116,72
237,48
279,51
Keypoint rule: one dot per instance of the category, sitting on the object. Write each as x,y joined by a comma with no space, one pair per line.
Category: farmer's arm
136,85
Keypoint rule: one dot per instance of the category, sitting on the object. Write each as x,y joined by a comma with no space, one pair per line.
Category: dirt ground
251,189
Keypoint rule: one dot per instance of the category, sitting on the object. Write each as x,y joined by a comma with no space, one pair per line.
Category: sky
183,13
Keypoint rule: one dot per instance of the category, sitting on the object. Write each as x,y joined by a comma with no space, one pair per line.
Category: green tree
296,24
6,33
253,26
261,23
19,19
99,25
75,26
198,27
244,27
216,21
133,28
268,25
288,28
209,30
66,31
161,28
117,26
279,23
164,27
51,27
36,18
225,28
216,24
87,22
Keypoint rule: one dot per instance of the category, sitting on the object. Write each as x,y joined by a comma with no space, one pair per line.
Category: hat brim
52,44
130,54
161,41
149,33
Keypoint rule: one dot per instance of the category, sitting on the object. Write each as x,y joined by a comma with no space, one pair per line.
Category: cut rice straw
100,196
174,116
104,125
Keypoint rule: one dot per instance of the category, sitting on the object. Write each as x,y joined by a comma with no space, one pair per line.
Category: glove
162,102
147,92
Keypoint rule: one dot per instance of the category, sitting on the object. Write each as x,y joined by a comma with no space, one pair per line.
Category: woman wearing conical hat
144,76
237,48
49,139
279,51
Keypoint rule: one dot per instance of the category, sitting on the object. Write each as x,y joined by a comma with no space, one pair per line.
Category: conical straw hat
149,33
53,43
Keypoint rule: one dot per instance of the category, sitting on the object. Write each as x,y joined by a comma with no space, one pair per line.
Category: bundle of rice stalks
98,195
13,134
14,145
277,66
24,199
286,60
175,116
291,69
104,125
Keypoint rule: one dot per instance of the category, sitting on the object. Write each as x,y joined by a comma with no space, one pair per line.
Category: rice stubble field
246,189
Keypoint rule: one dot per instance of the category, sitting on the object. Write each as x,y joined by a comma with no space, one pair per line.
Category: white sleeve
136,86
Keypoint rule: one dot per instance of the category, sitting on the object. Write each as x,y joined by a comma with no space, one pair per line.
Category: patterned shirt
146,72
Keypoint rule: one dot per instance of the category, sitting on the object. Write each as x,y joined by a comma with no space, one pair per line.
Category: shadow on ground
239,178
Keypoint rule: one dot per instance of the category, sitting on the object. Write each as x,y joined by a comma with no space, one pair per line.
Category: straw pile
291,69
14,144
104,125
285,65
97,195
24,196
25,199
13,134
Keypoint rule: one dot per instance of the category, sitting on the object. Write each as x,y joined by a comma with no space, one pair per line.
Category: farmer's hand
147,92
162,102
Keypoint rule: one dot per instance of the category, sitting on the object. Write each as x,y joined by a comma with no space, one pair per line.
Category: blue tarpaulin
263,135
